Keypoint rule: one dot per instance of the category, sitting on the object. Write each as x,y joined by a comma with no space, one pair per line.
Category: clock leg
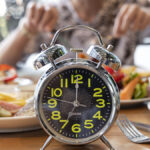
46,143
106,142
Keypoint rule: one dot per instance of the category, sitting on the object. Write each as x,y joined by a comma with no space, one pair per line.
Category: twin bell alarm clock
76,100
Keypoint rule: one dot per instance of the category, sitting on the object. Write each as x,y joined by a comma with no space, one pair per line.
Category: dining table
33,140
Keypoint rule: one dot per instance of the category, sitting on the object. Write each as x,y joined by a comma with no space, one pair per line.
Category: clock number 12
76,79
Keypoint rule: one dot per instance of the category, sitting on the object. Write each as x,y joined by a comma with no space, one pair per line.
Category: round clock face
76,103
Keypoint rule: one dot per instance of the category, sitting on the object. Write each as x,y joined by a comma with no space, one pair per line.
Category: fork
130,131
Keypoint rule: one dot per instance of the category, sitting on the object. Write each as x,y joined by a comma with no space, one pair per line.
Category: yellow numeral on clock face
65,123
98,92
55,115
76,128
101,103
89,82
52,103
97,115
88,124
62,84
76,79
56,92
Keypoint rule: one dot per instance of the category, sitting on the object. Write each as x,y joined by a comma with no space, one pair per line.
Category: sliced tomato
11,72
118,76
111,71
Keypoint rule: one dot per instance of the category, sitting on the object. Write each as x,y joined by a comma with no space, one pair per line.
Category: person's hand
39,18
131,17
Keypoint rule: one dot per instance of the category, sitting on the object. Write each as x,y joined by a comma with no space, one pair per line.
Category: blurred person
121,23
117,21
37,20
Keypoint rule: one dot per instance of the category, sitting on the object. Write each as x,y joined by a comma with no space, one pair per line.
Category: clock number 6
76,128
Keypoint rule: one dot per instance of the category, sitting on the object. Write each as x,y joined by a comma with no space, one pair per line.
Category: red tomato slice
11,72
118,76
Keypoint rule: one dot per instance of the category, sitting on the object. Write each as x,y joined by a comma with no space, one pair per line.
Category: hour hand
63,101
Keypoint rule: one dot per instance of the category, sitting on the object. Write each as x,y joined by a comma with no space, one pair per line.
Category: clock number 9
76,128
56,115
98,92
52,103
101,103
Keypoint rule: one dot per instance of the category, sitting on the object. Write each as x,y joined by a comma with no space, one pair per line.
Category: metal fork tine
130,130
124,130
130,127
127,128
133,127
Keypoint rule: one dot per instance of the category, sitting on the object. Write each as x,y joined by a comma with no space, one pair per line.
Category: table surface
35,139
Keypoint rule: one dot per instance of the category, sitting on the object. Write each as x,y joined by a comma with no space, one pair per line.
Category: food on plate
4,112
10,104
117,75
7,73
28,109
128,90
132,82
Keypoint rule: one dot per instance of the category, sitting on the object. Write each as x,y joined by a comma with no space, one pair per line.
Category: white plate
133,102
18,124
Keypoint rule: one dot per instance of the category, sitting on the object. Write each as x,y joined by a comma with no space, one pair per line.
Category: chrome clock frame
73,63
102,55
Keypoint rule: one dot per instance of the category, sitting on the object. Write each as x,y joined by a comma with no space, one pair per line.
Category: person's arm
12,47
131,17
38,19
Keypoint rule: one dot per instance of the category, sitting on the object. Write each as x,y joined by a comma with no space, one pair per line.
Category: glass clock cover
76,103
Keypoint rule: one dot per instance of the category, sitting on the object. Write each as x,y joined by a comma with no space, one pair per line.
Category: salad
132,83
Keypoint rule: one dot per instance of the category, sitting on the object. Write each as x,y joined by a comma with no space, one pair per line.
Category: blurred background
25,24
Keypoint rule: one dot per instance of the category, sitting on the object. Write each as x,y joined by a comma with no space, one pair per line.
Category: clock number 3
101,103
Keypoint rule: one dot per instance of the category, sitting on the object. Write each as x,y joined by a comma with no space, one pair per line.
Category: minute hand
76,87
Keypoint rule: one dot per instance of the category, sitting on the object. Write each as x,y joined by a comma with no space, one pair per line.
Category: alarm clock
76,100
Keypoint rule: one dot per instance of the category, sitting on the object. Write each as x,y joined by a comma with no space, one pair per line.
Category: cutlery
130,131
142,126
